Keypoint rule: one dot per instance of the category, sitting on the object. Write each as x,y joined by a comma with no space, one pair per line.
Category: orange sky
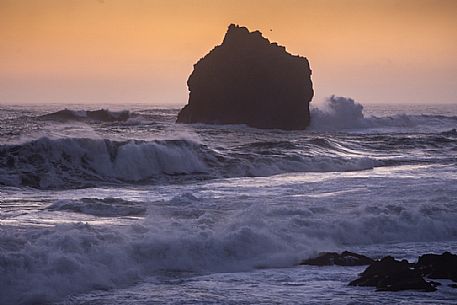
116,51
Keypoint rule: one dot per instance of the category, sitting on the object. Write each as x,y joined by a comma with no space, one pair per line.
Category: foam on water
202,233
351,182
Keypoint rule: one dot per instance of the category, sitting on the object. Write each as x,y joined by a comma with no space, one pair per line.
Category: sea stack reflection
248,80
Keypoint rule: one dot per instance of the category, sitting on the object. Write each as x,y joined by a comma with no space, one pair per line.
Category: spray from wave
343,113
336,113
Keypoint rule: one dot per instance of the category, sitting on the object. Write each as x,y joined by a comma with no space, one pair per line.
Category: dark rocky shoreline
389,274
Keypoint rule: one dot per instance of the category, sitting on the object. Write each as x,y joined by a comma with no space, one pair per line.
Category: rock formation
248,80
389,274
346,258
102,115
436,266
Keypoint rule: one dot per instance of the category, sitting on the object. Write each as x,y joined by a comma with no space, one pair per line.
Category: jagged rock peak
236,33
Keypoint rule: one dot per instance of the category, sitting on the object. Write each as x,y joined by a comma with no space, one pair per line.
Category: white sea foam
132,232
47,264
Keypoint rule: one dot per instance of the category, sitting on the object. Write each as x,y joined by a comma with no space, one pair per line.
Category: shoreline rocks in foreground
389,274
248,80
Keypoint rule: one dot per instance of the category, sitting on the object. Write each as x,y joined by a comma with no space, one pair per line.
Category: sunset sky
142,51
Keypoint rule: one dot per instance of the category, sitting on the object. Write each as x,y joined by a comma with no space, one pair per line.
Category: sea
118,204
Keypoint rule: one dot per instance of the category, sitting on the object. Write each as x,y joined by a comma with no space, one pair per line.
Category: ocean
123,206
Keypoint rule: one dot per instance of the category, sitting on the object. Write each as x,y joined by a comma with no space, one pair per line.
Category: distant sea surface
123,206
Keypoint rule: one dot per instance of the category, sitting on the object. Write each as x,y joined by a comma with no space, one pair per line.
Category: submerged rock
248,80
346,258
389,274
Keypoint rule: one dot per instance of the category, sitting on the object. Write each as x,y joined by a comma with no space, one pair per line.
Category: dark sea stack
248,80
346,258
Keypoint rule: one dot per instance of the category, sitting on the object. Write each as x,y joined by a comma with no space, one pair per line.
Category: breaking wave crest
77,162
56,163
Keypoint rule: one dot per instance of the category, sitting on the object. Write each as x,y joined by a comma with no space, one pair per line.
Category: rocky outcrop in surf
102,115
248,80
389,274
345,258
437,266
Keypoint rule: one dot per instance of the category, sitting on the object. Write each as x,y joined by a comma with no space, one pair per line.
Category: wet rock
389,274
248,80
437,266
346,258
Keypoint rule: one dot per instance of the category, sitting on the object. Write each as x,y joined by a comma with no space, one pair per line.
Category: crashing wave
78,162
337,113
343,113
45,265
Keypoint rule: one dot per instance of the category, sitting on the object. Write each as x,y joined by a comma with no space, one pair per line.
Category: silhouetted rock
389,274
344,259
248,80
436,266
102,115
